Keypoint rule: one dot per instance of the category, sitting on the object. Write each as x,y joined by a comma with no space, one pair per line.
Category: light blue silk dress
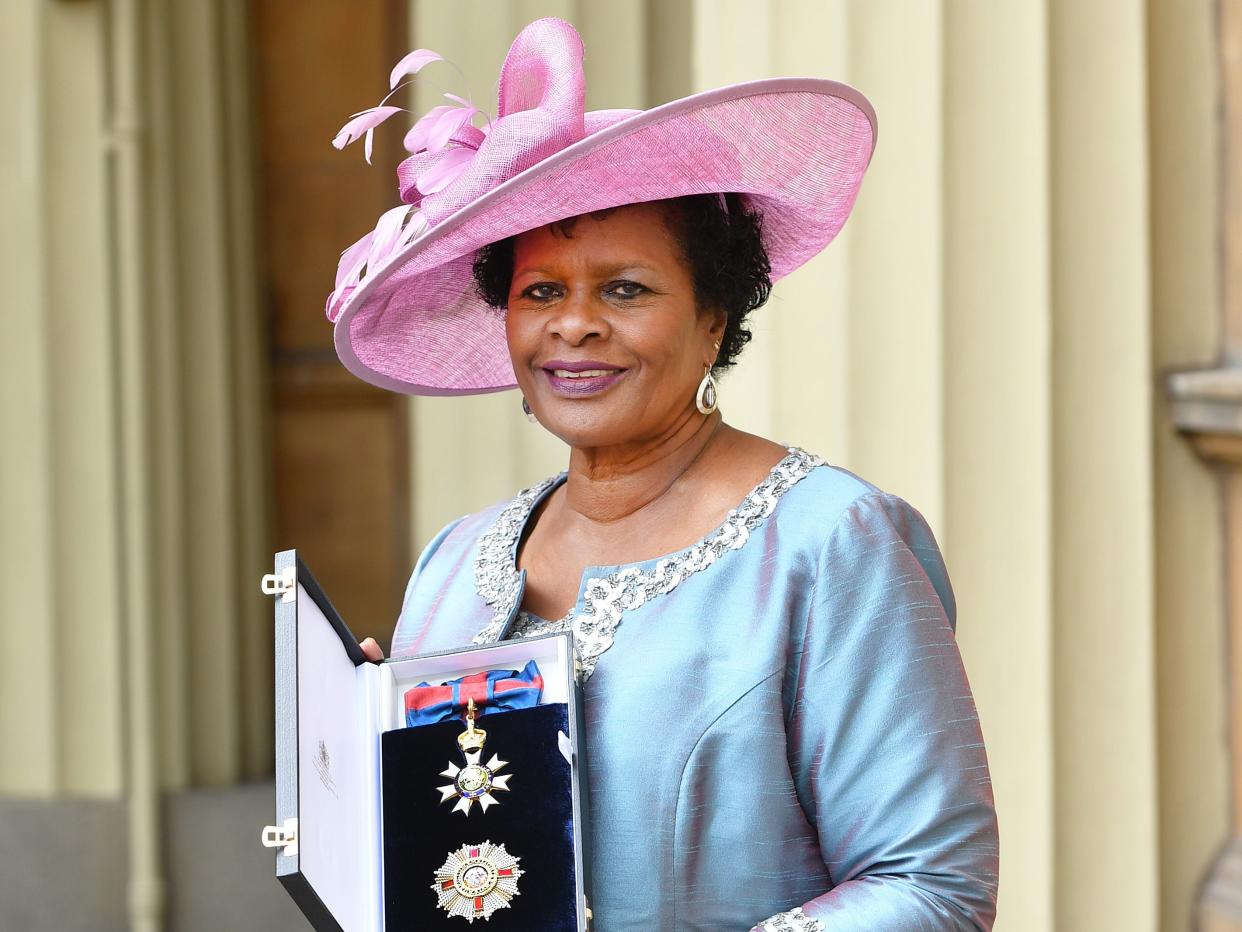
780,733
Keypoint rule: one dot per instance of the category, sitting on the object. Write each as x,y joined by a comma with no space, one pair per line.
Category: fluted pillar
132,468
1206,406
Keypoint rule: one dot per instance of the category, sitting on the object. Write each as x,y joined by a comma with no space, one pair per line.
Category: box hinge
286,837
284,585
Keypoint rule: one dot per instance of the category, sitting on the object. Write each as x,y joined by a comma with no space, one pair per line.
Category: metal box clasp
284,585
286,837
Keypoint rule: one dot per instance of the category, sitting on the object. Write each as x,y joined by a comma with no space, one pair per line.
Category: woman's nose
578,318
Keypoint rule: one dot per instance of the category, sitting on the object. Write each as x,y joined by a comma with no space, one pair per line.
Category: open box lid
326,771
331,707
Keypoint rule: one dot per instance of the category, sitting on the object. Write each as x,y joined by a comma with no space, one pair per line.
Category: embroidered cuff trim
795,920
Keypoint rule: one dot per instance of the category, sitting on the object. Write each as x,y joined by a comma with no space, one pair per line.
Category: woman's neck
606,485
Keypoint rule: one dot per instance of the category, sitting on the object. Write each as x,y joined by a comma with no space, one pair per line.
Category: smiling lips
578,379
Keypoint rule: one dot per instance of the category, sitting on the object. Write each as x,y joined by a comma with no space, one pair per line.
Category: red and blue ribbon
492,691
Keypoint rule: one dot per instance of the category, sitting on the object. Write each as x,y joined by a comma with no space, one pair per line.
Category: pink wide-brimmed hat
406,311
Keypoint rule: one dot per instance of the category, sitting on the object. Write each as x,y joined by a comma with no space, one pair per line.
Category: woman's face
606,340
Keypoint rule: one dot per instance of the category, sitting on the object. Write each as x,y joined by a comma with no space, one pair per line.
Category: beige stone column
998,529
1191,722
132,471
25,481
1206,405
62,626
1103,558
896,353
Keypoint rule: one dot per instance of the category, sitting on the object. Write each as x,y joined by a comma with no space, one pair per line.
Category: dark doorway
339,447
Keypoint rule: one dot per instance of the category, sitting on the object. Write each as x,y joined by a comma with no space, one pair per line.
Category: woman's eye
540,292
626,289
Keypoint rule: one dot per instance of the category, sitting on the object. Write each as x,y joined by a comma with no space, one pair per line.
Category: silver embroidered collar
607,598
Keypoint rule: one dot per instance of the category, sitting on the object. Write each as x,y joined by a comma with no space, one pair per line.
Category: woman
780,730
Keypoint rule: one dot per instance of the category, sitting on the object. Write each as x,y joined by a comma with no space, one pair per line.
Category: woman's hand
371,648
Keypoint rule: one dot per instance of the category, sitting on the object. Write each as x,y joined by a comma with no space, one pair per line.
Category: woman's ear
715,331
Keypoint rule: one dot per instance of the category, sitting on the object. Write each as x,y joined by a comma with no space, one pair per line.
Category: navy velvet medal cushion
534,822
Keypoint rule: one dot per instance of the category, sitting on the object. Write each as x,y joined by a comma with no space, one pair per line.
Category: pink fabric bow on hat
407,316
542,90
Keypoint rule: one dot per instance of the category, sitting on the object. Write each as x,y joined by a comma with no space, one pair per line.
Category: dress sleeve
423,558
884,739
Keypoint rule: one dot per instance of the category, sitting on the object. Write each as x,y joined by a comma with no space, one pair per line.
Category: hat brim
796,148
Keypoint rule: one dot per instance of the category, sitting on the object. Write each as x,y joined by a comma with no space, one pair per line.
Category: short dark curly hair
722,244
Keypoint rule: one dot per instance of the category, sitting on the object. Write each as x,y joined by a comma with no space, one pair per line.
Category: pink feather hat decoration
406,313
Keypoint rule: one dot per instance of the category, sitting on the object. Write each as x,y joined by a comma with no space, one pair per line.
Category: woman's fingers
373,651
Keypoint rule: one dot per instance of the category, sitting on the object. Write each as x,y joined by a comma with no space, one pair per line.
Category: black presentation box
362,827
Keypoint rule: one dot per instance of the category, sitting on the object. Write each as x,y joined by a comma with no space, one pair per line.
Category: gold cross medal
476,781
477,880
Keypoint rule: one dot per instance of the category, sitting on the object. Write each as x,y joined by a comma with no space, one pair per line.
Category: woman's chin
581,435
581,424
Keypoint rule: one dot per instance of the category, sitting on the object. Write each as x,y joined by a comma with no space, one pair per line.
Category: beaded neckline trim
607,598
